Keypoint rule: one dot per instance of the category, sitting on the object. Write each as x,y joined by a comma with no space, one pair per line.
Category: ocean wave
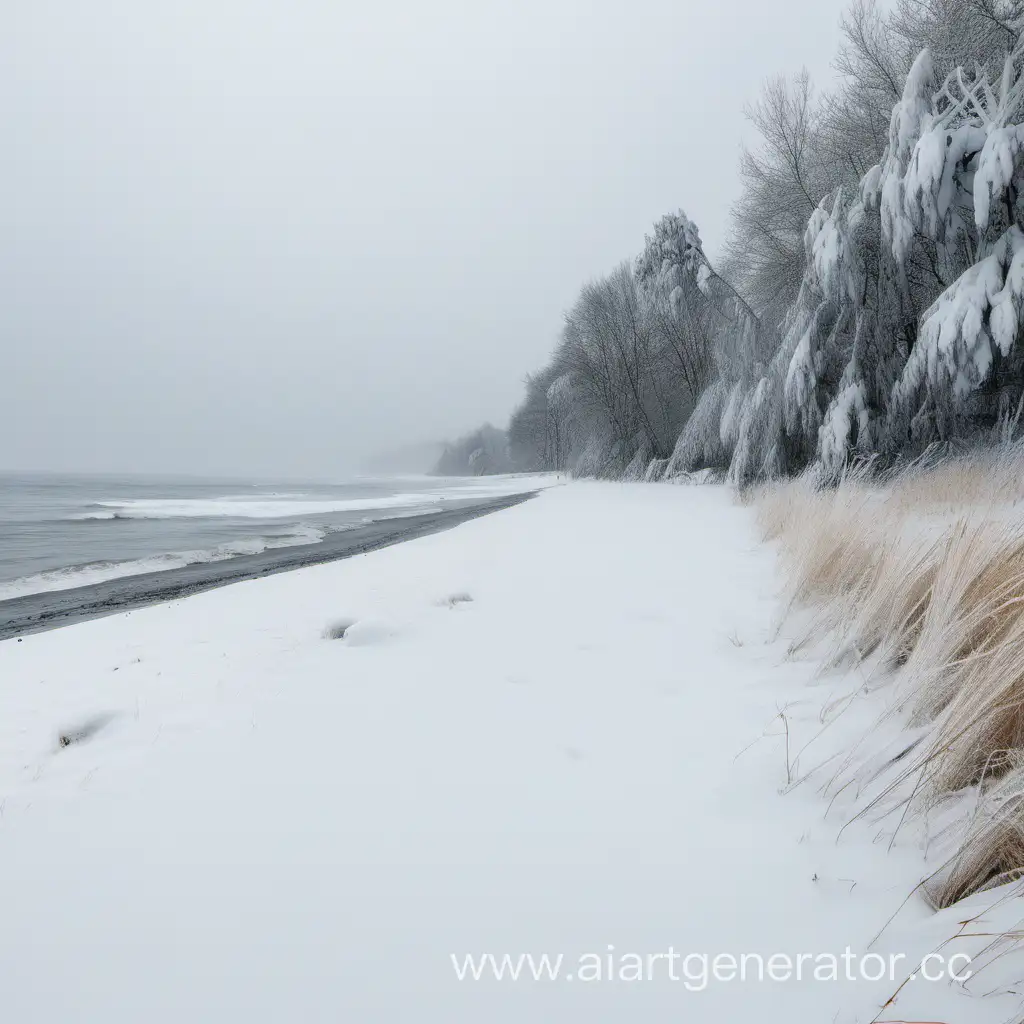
100,572
246,507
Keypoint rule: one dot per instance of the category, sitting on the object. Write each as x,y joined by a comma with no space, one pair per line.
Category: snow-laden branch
977,316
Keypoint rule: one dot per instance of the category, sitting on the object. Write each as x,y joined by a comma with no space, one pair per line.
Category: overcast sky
272,238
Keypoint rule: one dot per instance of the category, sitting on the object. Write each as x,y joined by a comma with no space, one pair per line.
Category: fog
242,237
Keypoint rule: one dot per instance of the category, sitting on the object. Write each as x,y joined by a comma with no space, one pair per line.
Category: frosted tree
672,276
873,289
845,329
924,327
783,180
723,328
673,265
540,437
962,191
674,249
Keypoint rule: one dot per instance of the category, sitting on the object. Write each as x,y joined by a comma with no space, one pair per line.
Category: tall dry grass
919,576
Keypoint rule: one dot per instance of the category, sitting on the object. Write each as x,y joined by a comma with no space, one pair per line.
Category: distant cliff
482,452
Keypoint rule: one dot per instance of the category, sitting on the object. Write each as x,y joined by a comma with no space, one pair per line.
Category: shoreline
51,609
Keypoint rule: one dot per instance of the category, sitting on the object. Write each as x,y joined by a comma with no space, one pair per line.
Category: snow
996,164
753,453
849,407
560,391
913,111
675,245
700,442
637,467
704,278
955,347
802,375
910,117
554,728
992,108
729,429
933,190
826,246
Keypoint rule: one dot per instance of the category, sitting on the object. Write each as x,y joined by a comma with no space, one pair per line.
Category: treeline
868,302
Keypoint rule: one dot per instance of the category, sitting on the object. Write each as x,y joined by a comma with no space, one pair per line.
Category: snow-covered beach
512,512
568,727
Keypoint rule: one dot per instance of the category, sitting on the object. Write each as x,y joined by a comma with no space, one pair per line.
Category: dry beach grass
919,580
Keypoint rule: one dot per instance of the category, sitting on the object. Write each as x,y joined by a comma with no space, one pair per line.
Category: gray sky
241,237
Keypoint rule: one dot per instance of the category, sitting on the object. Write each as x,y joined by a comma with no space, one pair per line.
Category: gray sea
59,531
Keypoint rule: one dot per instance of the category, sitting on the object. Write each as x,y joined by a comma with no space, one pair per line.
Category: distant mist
276,239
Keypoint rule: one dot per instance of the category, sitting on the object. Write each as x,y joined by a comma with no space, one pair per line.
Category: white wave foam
281,505
247,507
100,572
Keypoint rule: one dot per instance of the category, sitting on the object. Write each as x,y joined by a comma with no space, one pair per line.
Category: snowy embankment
562,727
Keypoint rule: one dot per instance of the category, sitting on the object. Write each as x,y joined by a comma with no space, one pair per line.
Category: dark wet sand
37,612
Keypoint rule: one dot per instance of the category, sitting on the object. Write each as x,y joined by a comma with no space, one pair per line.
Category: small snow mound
367,633
338,629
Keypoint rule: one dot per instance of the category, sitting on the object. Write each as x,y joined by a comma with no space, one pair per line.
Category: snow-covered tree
873,287
962,191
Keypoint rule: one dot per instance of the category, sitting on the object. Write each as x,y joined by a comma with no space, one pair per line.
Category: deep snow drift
562,727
